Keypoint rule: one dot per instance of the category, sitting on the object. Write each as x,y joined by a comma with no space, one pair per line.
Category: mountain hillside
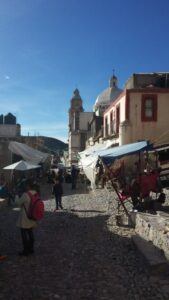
54,144
45,144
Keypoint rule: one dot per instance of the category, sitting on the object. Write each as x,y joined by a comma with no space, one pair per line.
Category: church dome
109,94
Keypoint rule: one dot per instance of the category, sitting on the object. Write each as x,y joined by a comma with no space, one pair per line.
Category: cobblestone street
80,253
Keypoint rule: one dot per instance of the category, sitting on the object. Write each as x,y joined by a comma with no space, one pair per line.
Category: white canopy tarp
108,155
88,160
21,166
29,154
89,167
95,148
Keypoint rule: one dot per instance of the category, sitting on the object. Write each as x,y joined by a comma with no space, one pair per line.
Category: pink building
140,112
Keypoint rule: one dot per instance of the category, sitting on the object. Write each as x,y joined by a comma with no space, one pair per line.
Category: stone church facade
86,128
78,127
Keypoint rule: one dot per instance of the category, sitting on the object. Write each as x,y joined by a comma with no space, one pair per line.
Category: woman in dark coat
58,192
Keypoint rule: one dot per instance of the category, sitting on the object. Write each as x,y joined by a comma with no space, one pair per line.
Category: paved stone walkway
80,255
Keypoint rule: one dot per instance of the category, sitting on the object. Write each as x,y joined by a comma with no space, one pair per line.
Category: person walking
25,224
58,192
74,174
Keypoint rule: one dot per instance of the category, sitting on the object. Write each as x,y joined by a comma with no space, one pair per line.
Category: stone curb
154,257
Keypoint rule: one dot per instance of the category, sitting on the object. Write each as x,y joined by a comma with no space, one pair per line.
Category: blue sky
50,47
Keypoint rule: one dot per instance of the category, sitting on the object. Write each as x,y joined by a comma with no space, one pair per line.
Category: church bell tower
76,107
74,111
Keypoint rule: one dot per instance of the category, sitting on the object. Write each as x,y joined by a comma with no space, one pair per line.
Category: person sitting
6,193
2,257
151,205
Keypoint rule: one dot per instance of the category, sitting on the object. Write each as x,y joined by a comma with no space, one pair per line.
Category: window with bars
117,118
111,123
106,126
149,108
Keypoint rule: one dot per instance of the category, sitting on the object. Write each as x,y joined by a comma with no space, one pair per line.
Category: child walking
58,192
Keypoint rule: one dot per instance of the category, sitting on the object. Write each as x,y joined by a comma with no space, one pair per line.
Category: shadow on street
75,258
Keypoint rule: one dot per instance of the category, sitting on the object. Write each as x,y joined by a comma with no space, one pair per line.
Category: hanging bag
36,207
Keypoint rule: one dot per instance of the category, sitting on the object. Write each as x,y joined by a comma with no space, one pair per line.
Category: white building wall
122,108
154,131
84,118
7,130
74,146
75,140
121,103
